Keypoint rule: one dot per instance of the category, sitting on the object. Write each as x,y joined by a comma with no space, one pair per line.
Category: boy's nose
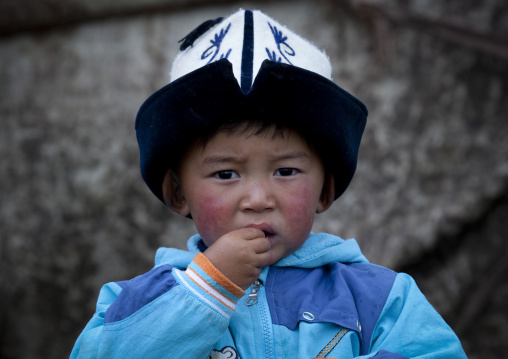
258,197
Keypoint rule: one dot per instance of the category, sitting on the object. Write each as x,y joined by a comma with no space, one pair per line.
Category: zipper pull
253,295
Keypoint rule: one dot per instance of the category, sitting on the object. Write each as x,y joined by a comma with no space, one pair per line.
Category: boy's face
271,181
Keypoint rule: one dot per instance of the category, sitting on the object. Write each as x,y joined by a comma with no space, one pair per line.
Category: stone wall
429,197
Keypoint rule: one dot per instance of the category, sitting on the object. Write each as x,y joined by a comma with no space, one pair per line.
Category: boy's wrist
208,285
215,275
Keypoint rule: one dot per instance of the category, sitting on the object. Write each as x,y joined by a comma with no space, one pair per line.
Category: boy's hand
240,255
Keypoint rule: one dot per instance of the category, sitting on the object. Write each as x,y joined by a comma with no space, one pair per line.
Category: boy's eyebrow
292,156
210,160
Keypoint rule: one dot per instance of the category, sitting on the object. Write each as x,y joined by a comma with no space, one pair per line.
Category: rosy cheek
210,217
301,199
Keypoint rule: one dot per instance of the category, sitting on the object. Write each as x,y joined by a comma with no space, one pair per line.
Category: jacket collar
318,250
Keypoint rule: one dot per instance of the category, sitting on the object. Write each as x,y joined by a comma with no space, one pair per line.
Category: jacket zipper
263,312
253,295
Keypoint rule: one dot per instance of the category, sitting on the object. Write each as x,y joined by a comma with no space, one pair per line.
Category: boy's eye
286,172
225,175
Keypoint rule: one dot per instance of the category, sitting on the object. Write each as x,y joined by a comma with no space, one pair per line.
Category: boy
250,139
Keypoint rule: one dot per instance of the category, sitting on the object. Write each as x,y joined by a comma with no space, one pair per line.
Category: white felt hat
246,39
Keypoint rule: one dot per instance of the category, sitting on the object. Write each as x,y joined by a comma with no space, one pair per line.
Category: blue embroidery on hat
273,56
216,42
282,46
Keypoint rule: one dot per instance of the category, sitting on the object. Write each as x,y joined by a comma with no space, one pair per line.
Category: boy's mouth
267,231
268,234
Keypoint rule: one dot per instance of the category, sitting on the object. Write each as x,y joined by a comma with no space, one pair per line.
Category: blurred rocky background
430,196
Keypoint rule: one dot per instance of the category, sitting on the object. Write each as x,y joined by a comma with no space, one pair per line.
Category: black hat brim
330,118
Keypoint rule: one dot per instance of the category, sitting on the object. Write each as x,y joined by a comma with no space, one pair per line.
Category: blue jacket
325,299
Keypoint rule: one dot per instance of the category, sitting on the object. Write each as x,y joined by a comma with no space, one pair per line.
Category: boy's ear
173,195
327,194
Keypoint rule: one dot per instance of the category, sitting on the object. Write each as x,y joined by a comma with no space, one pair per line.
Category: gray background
430,196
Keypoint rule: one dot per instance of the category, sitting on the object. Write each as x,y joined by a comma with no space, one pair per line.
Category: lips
267,230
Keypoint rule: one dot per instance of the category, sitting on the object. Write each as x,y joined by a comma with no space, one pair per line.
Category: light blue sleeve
184,322
410,326
86,345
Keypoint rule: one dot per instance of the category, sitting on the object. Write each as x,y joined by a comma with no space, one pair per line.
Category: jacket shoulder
351,295
139,291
